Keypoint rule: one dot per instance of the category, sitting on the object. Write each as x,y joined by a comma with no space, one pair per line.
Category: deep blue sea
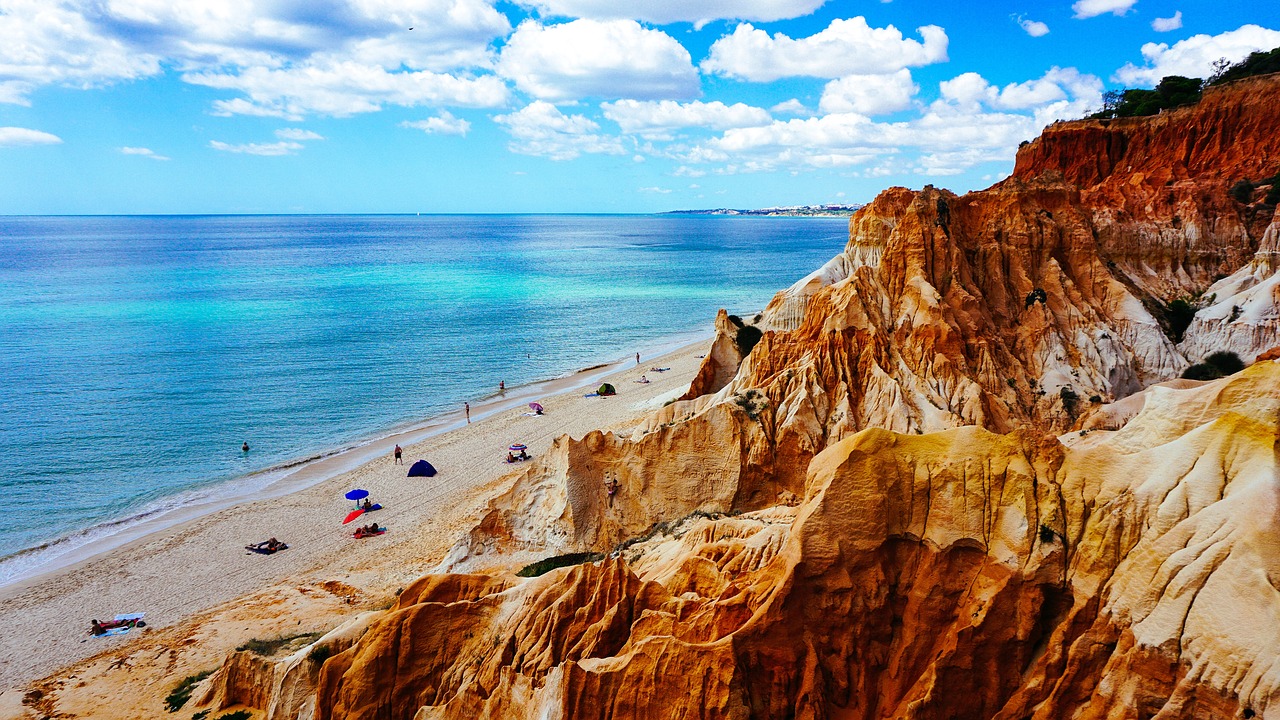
138,353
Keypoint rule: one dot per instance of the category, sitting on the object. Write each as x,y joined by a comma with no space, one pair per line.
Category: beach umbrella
357,494
536,407
518,447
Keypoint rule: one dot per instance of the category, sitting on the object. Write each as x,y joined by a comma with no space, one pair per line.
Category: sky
599,106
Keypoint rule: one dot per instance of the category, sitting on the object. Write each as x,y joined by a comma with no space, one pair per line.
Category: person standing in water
637,358
466,406
399,454
502,386
245,446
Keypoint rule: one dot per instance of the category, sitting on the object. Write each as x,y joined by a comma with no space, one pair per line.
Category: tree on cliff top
1258,63
1173,91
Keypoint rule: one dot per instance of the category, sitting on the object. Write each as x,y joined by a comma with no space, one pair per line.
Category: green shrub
200,715
320,653
237,715
1069,398
1242,191
1227,363
181,693
746,339
1258,63
268,648
1201,371
1172,91
542,567
1179,315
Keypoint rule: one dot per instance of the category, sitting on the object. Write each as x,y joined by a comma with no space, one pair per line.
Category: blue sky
314,106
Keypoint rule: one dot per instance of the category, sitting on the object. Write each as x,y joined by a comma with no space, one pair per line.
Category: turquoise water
138,353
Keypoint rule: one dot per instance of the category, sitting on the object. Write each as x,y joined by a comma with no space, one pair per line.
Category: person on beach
511,458
524,455
637,358
502,386
245,446
367,505
399,455
466,407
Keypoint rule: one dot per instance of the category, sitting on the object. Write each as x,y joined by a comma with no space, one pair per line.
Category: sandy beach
200,589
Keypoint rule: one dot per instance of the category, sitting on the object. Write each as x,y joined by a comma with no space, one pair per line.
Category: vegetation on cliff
1176,91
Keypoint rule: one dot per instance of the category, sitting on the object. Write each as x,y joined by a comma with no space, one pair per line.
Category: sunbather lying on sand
101,628
368,530
267,546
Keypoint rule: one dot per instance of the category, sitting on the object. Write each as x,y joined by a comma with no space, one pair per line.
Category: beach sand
203,593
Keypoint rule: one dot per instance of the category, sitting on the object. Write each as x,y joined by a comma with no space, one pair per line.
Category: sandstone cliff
957,574
944,483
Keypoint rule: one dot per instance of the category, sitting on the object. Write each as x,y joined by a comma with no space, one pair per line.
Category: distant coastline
833,210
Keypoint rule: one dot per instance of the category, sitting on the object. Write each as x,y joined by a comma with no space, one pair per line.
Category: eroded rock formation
956,574
943,484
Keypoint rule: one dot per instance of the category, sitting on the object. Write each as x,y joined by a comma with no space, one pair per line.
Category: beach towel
362,535
131,620
264,551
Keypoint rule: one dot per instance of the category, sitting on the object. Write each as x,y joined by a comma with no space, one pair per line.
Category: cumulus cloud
1093,8
1194,57
342,89
143,152
12,136
443,124
541,129
86,43
972,122
657,118
845,47
43,43
662,12
790,107
869,94
585,58
284,147
1034,28
1167,24
298,134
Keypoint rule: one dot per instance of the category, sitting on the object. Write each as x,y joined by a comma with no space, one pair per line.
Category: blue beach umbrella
357,495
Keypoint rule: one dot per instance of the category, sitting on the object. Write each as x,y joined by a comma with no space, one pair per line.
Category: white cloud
869,94
651,117
790,107
87,43
1093,8
143,152
443,124
662,12
284,147
45,43
298,134
541,129
1167,24
11,136
657,190
585,58
1194,57
845,47
972,122
1034,28
345,88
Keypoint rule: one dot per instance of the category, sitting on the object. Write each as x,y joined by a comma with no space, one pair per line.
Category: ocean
138,353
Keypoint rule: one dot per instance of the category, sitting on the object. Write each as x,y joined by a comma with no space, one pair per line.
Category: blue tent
422,468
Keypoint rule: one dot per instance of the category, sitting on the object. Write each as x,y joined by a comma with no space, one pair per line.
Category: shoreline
63,551
186,569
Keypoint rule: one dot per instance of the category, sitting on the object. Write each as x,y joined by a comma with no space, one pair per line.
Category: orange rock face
869,515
